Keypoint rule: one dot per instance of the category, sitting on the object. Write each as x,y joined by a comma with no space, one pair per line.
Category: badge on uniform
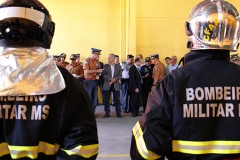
145,70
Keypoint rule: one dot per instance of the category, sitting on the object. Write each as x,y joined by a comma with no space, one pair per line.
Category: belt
91,79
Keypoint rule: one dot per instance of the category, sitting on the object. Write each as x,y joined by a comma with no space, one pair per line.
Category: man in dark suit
135,83
111,75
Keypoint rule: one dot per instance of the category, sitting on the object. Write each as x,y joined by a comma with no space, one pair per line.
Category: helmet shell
25,23
213,24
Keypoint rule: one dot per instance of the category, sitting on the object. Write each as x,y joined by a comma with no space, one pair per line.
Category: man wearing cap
78,59
158,70
62,62
91,75
125,81
56,59
75,68
146,73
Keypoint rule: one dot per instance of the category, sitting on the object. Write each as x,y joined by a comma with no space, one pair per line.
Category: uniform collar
198,55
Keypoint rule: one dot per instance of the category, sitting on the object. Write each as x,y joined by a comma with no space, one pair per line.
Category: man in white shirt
173,65
125,81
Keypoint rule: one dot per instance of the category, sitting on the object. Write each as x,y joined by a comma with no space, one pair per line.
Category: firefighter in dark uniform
146,73
44,113
75,68
91,75
62,62
193,114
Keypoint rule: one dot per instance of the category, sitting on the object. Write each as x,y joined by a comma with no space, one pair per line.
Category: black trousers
146,89
116,96
135,102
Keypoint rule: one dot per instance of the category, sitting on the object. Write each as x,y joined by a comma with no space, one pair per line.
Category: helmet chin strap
181,61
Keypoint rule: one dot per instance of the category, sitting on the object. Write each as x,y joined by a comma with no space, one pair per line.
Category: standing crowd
46,112
127,84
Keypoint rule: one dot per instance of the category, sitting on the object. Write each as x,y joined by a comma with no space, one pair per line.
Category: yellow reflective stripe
47,148
141,146
206,147
28,151
84,151
4,149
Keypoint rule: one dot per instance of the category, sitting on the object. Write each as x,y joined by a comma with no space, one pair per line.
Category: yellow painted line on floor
113,155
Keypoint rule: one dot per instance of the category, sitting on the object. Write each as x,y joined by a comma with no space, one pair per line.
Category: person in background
135,87
141,59
78,59
112,73
56,59
91,75
146,73
158,70
167,60
75,68
194,112
116,60
125,82
62,62
173,65
44,113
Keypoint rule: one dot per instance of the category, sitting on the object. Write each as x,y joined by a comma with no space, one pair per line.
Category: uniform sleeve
80,139
151,137
81,71
86,64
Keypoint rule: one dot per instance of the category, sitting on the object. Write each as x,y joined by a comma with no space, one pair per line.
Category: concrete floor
114,134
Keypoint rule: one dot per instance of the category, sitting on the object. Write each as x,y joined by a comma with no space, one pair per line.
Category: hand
120,82
153,87
147,75
100,70
97,77
113,80
110,83
136,90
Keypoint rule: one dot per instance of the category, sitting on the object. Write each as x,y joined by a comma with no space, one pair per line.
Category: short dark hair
167,58
137,60
140,55
130,56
